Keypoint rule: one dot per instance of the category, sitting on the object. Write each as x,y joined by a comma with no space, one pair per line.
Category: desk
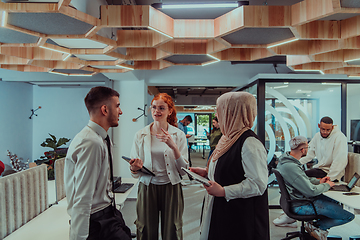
351,203
120,198
203,143
53,223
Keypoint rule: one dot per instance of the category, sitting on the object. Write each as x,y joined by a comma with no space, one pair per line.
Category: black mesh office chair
285,203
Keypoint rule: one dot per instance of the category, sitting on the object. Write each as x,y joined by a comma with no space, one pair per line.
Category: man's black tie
107,139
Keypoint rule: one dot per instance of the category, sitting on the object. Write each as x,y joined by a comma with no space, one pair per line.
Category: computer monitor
355,130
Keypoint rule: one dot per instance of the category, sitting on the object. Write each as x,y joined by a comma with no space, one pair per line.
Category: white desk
53,223
351,203
120,198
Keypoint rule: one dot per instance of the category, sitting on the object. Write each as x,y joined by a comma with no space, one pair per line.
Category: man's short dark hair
188,118
97,96
326,120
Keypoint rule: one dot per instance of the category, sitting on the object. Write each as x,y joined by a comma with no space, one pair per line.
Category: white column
133,94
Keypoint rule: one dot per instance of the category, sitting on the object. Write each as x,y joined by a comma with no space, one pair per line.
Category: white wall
15,125
63,114
353,106
329,104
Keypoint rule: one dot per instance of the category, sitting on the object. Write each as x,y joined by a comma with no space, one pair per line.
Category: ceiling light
125,67
308,95
200,5
211,62
59,73
160,32
213,57
67,57
3,22
54,50
282,43
282,86
303,91
286,82
67,83
308,70
72,74
356,59
330,83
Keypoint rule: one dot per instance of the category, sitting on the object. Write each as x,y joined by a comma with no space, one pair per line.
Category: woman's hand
198,170
135,164
215,189
166,138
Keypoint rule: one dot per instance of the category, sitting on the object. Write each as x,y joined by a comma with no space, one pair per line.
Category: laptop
120,187
348,187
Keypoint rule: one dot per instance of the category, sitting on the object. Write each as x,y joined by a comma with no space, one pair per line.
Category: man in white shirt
330,148
88,168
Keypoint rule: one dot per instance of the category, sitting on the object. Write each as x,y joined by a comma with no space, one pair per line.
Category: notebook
349,186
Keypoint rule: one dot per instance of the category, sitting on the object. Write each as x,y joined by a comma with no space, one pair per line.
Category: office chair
285,203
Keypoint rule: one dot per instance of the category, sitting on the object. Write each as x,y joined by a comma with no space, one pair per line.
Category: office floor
194,194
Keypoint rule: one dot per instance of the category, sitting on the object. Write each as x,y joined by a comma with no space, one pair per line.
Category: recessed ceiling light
282,86
200,5
282,43
303,91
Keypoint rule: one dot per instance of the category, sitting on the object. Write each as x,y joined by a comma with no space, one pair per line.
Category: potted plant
50,157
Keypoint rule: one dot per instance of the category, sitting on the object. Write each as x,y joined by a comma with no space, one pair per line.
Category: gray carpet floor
194,193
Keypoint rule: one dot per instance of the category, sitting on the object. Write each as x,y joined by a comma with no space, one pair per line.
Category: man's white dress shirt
86,177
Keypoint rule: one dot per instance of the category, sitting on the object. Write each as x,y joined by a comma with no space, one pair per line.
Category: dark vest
241,218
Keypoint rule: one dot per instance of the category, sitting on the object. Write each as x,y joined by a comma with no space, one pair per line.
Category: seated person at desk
329,146
214,136
300,186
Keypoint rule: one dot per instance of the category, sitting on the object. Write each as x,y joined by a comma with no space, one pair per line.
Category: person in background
87,172
236,203
329,147
160,147
301,186
2,167
214,136
182,125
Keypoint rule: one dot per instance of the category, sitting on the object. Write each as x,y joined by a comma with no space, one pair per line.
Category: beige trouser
168,200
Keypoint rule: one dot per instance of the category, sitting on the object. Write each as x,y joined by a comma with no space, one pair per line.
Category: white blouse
254,162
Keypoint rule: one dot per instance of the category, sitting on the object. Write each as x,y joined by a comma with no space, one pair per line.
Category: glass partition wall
288,107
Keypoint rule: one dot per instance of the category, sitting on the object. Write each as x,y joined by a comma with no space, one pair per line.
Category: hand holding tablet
197,177
143,169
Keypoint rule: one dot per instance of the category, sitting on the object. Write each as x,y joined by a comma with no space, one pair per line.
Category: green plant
50,156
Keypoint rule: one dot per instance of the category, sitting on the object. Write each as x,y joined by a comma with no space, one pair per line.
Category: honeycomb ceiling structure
314,35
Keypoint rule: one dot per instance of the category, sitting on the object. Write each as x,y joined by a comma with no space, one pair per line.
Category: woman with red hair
162,148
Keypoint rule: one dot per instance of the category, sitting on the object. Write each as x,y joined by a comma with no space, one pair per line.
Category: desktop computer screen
355,130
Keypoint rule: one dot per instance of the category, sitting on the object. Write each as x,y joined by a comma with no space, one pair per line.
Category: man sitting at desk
300,186
329,146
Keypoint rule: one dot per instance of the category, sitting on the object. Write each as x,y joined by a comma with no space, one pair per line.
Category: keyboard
123,187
